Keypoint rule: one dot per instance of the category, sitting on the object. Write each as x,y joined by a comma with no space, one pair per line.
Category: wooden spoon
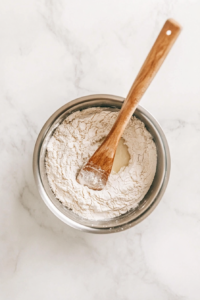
97,170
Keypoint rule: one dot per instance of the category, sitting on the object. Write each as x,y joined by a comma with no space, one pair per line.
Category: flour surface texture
75,141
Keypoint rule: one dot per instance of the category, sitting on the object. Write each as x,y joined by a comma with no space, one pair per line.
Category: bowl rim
54,209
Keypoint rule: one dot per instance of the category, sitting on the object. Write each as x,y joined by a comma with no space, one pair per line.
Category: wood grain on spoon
96,172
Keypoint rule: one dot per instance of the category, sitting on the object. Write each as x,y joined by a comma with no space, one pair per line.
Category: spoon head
93,176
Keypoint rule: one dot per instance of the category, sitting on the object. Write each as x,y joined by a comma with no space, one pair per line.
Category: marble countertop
53,51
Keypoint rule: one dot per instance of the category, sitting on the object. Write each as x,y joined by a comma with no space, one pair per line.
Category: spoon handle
152,64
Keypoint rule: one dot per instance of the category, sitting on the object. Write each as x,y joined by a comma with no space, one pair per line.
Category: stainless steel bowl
132,217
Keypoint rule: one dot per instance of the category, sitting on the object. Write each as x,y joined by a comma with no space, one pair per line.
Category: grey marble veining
52,52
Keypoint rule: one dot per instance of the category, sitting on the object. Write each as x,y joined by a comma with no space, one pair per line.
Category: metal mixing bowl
132,217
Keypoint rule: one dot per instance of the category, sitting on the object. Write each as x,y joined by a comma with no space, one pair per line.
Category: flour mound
75,141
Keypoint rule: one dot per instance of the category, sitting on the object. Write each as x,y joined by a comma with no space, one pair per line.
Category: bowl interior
119,223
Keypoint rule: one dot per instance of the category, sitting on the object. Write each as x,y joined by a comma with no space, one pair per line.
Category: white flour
74,142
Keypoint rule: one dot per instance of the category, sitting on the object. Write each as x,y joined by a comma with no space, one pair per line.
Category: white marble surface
51,52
